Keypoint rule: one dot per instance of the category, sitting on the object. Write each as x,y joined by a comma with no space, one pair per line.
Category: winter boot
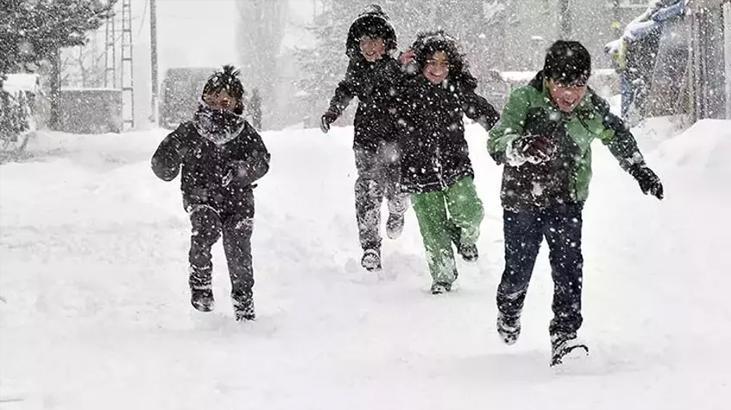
201,291
437,288
371,260
469,252
244,309
508,327
562,344
394,226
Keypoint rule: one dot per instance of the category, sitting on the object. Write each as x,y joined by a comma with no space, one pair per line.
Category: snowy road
94,308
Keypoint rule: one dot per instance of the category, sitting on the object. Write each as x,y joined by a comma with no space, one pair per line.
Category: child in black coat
372,76
221,157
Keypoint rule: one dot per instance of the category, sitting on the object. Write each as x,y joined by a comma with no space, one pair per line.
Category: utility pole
153,59
564,18
616,19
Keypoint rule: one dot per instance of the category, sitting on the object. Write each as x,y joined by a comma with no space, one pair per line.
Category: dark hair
429,42
567,62
226,79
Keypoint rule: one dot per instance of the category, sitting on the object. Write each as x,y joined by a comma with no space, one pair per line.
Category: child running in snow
436,167
221,157
371,76
543,141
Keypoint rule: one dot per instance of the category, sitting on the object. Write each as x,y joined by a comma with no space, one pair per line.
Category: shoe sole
570,353
203,307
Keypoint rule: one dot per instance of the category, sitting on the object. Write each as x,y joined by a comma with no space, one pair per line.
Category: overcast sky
199,32
194,33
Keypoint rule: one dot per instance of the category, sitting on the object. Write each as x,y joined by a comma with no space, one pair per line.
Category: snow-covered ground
95,313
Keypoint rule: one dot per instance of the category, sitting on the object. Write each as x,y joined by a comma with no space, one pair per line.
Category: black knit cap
227,79
567,62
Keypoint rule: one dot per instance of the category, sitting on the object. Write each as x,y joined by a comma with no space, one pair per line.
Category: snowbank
701,153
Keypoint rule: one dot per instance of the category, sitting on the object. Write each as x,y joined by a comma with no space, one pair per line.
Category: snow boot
371,260
244,309
394,226
562,346
201,291
469,252
508,327
202,299
437,288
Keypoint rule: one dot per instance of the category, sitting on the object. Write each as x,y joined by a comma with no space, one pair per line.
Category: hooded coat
219,175
435,154
372,82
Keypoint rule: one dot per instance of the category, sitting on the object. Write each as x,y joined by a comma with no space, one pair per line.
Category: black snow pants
524,231
208,223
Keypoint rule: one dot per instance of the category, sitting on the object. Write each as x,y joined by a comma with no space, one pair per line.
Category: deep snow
95,313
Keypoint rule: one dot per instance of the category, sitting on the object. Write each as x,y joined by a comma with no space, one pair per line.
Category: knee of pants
206,225
239,226
368,194
567,265
512,290
237,241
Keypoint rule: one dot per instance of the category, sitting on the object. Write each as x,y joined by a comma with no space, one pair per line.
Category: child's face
372,49
436,69
566,97
220,100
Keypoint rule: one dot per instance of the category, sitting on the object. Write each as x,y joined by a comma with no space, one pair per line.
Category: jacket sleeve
510,126
478,109
169,155
256,164
617,137
345,91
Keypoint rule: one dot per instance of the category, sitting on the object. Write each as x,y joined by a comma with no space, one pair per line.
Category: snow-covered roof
21,82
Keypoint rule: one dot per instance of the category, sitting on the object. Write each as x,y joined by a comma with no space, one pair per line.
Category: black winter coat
435,154
374,84
219,176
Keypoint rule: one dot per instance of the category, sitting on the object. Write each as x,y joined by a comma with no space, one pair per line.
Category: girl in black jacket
221,157
436,167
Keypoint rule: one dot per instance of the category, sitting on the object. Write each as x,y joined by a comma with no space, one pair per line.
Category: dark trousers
208,224
524,231
379,176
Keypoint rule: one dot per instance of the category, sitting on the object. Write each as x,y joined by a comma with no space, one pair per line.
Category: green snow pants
445,217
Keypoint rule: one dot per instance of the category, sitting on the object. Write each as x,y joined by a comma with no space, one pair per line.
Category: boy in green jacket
544,142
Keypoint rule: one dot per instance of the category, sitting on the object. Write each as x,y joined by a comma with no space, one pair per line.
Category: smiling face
566,96
372,49
436,69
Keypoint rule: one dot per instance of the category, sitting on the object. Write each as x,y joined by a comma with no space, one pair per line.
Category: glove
328,118
535,149
648,180
237,169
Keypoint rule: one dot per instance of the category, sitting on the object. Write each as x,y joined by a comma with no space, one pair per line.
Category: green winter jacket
565,177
